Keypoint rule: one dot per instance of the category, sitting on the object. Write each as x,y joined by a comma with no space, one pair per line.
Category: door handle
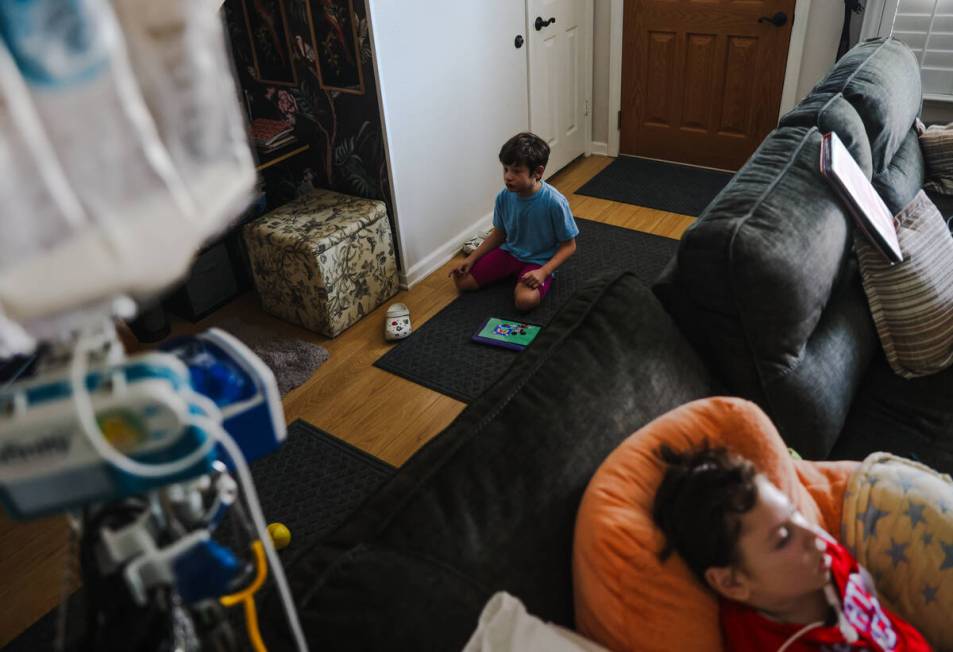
540,23
779,19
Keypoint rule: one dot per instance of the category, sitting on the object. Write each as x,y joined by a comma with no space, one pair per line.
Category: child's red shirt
877,629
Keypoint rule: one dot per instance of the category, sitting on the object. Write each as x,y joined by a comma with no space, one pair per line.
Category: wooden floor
383,414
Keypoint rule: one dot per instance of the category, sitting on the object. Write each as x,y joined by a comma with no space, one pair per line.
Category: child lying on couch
783,584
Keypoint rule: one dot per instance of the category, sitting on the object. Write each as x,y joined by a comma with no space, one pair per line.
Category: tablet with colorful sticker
507,333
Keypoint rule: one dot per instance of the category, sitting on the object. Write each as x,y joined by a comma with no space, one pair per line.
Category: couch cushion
491,501
903,177
416,599
765,287
831,112
911,418
626,598
881,80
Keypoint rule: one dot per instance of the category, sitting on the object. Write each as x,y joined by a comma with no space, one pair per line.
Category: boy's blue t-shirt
534,225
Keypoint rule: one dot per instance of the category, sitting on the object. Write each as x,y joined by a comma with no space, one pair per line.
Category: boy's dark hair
699,504
525,149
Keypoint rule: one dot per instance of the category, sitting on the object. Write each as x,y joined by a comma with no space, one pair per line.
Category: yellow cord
247,596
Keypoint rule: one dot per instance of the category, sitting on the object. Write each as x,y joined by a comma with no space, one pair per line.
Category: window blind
927,27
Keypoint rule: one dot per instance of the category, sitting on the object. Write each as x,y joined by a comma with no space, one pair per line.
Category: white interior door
558,83
452,84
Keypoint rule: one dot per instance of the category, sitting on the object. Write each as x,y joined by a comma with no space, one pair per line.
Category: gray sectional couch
766,286
763,300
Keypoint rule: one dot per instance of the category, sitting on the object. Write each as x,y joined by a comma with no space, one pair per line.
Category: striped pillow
912,301
936,142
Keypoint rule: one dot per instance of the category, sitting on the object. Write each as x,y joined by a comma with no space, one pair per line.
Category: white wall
825,19
450,98
824,24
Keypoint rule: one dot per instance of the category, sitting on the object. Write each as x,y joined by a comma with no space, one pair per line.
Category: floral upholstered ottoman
324,260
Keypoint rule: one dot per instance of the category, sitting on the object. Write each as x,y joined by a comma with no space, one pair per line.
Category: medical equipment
122,151
166,428
222,368
46,463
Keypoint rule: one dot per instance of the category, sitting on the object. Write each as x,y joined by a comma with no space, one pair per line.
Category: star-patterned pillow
898,523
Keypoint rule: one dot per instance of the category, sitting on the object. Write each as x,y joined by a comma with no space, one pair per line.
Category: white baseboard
434,261
599,148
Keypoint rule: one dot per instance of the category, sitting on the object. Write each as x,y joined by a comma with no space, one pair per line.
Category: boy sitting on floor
533,229
783,584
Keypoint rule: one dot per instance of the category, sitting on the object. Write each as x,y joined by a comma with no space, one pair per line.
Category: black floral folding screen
307,79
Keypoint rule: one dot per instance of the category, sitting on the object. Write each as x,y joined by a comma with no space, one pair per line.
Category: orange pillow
625,598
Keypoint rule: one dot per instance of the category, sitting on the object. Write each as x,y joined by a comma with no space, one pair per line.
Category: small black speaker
211,283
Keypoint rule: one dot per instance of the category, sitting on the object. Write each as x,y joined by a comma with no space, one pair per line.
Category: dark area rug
665,186
311,484
314,482
441,356
292,359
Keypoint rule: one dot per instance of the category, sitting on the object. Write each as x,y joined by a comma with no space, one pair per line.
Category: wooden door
557,89
702,79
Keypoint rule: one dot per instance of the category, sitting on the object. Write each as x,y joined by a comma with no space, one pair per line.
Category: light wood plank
32,561
380,413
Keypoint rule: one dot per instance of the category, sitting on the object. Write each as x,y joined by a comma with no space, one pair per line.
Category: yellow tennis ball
280,535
